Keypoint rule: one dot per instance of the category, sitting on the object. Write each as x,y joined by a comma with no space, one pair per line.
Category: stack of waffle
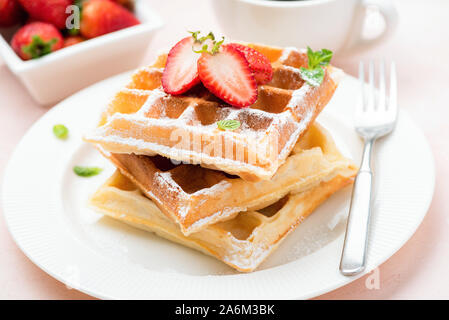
236,194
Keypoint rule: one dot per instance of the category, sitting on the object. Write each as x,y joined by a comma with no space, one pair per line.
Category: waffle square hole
272,100
286,78
271,210
162,163
167,108
254,120
296,59
192,178
242,226
208,113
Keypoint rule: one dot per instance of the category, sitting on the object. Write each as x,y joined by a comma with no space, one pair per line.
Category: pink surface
421,51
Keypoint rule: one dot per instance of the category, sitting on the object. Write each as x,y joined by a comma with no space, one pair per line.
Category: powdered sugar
286,53
152,98
126,133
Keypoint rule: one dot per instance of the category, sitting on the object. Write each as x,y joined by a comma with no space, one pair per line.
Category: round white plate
45,205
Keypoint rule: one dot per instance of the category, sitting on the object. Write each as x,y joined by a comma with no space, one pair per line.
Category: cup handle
357,42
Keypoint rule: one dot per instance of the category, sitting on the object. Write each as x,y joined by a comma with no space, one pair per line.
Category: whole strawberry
71,40
51,11
11,13
36,39
129,4
104,16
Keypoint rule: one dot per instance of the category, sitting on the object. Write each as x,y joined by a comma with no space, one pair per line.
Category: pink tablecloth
421,50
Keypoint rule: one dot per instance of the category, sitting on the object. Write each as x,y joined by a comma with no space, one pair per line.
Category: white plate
45,209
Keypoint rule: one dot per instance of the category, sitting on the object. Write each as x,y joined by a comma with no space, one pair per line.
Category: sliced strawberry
259,63
228,76
181,71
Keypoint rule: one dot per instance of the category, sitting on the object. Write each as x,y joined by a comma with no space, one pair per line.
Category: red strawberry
51,11
104,16
11,13
181,71
261,66
35,40
70,41
227,75
129,4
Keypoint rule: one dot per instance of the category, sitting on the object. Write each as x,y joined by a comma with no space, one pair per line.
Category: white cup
333,24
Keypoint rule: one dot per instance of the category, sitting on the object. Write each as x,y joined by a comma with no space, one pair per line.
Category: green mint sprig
60,131
318,58
228,124
314,74
86,171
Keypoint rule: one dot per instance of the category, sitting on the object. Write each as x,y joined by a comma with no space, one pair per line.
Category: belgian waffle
143,119
195,197
242,242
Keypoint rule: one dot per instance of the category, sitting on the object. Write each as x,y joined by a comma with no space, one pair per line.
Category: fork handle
353,257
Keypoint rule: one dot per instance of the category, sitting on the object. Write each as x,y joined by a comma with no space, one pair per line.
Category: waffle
242,242
143,119
196,197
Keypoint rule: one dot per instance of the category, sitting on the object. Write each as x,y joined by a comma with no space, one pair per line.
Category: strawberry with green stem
181,70
35,40
72,40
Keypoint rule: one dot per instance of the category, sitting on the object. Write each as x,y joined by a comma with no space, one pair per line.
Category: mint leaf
318,58
314,77
86,171
314,74
228,124
60,131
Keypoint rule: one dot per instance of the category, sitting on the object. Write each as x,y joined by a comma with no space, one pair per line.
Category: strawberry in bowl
99,17
50,11
36,39
11,13
69,60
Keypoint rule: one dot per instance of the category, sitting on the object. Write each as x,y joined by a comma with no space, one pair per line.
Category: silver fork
376,117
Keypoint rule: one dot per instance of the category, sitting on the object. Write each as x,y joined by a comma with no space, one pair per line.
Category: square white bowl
57,75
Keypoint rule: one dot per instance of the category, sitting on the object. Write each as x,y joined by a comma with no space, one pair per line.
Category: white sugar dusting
149,70
136,92
217,216
177,154
286,53
220,187
298,96
166,179
293,69
152,98
253,131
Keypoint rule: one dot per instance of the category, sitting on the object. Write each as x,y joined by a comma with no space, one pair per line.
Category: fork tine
362,84
392,102
381,105
371,102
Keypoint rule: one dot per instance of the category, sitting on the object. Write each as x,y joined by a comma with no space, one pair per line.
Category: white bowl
59,74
